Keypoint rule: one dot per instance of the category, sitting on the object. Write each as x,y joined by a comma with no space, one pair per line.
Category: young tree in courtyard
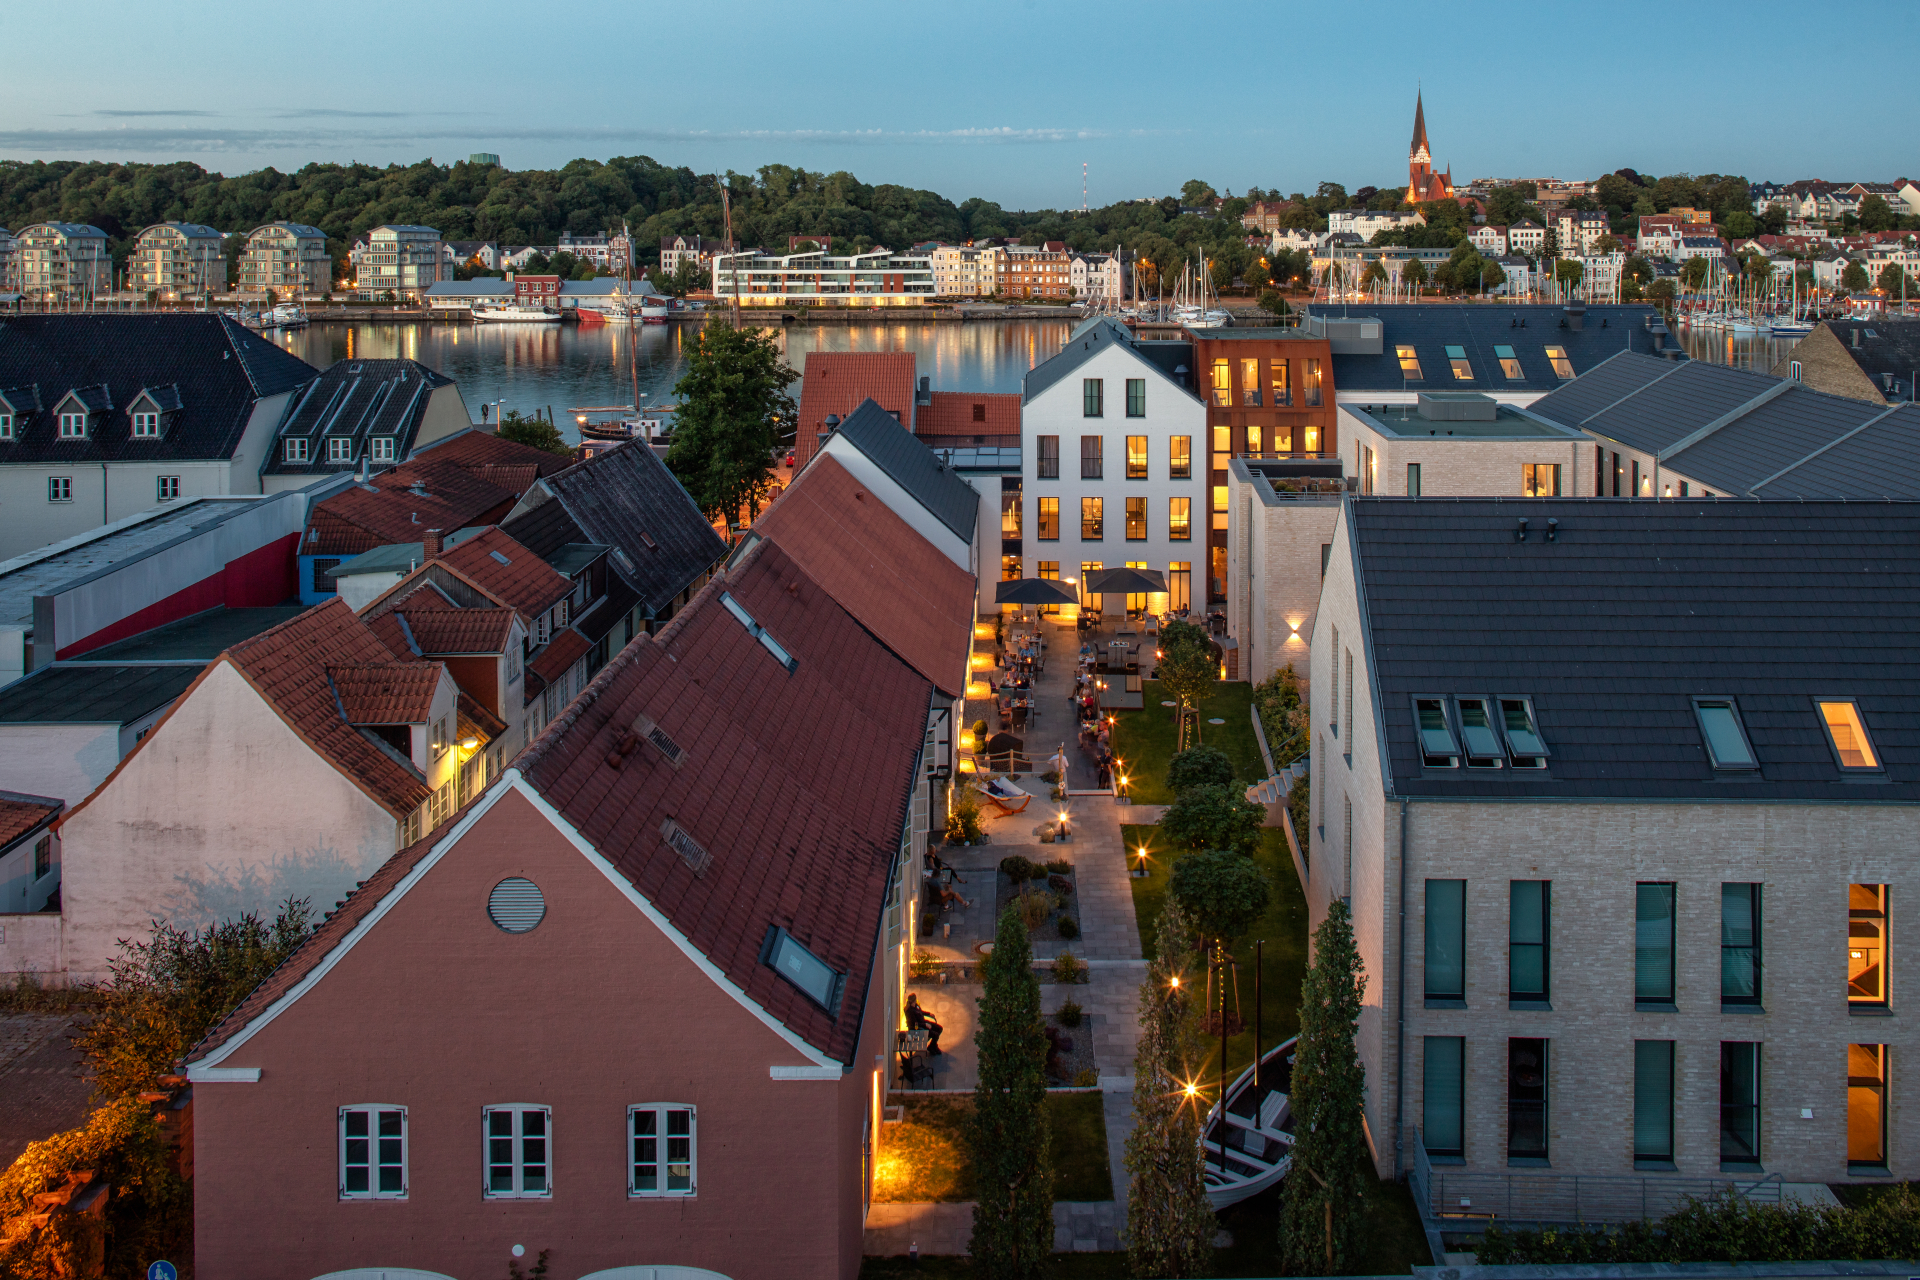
1213,816
1186,669
1320,1209
1012,1147
1198,766
1222,893
1170,1225
734,411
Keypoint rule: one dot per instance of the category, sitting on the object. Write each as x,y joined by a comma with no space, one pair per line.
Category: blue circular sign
163,1271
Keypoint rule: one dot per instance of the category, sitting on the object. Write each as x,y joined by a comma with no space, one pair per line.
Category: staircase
1274,790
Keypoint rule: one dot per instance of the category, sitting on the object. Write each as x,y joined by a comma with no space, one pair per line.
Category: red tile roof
20,814
476,721
483,448
796,784
508,572
835,382
386,692
440,632
401,506
952,414
900,586
288,667
566,648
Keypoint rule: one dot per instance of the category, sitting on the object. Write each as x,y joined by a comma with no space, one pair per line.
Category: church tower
1422,182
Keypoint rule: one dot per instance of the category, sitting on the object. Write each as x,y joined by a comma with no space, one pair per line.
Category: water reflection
1757,352
531,367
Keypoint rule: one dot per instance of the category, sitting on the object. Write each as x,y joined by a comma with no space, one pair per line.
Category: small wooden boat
1250,1147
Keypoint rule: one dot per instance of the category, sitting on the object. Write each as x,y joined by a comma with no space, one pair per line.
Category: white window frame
59,488
146,425
340,449
6,426
518,1161
373,1163
660,1111
73,426
380,449
160,486
297,449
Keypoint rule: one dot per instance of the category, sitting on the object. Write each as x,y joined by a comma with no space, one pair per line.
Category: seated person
919,1019
937,864
945,896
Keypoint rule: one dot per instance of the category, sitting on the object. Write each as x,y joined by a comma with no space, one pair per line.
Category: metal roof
200,638
84,694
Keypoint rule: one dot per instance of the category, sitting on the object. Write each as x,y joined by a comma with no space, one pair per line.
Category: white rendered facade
62,261
400,260
178,260
878,277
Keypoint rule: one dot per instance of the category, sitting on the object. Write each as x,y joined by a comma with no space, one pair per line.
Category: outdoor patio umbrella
1036,591
1125,582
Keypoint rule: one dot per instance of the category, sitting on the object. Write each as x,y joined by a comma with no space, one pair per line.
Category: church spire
1419,127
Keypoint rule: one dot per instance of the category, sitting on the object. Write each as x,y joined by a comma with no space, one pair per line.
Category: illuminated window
1253,442
1866,944
1009,568
1312,383
1092,519
1409,363
1222,383
1562,367
1313,439
1282,389
1457,361
1180,519
1136,519
1509,363
1220,497
1847,734
1049,519
1136,457
1250,383
1010,514
1539,479
1867,1107
1179,584
1180,458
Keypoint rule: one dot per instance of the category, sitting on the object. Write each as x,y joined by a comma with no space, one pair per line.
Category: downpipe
1400,997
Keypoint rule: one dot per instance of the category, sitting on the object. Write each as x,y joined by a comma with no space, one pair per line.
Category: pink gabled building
633,1005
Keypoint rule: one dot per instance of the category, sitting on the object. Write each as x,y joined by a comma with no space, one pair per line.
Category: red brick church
1422,182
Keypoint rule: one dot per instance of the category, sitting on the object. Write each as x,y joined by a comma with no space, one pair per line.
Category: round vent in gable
516,905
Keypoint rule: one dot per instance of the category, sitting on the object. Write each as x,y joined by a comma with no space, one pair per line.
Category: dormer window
381,449
146,425
340,449
73,426
296,450
6,426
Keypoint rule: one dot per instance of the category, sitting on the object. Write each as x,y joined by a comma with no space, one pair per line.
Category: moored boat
1249,1142
516,313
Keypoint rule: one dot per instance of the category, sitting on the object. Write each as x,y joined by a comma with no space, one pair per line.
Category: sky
1002,99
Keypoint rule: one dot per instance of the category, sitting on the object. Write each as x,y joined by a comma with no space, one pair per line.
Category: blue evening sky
1002,98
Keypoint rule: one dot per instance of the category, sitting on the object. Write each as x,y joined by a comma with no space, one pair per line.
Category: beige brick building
288,258
1622,812
178,260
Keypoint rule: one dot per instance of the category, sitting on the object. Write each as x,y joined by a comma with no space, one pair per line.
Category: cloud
303,113
152,113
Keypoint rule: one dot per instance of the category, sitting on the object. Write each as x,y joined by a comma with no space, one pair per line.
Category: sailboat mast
633,367
733,254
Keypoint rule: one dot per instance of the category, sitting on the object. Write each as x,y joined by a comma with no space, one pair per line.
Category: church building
1422,182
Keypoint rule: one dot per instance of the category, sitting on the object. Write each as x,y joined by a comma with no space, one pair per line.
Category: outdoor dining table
912,1047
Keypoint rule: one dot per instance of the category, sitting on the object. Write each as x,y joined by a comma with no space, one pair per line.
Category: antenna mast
1083,186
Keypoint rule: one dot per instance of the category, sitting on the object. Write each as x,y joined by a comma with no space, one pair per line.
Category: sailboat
1793,325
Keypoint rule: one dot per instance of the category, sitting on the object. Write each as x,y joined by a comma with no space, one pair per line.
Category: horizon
391,108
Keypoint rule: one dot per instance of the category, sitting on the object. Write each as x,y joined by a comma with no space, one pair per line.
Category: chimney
1856,339
430,543
926,391
1576,317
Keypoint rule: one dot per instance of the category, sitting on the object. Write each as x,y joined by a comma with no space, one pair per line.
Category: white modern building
177,260
878,277
1097,277
1367,223
1108,437
62,261
289,258
400,262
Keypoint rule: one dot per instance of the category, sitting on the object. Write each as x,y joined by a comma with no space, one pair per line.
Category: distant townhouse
1266,215
472,254
965,271
176,261
62,261
1874,362
535,290
592,248
1652,774
1577,232
1097,277
400,262
877,277
1689,247
1526,236
1660,235
288,258
1490,240
675,250
104,416
9,262
1367,223
1520,276
1035,271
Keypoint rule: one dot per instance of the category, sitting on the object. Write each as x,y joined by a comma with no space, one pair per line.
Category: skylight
757,631
1483,740
1847,734
1457,359
1724,734
1509,364
1525,747
1562,367
1409,362
1437,747
497,556
816,979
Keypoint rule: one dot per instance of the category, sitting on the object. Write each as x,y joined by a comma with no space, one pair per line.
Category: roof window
1509,364
757,631
1409,363
1494,732
691,851
497,556
1726,737
816,979
1457,360
1562,367
1847,735
1478,731
1526,749
1437,747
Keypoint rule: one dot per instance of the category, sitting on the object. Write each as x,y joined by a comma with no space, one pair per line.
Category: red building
629,1006
1423,183
536,291
835,383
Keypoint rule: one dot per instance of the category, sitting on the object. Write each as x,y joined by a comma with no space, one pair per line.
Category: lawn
926,1157
1144,739
1283,927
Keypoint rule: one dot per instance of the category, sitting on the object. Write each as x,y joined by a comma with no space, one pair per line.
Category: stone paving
44,1079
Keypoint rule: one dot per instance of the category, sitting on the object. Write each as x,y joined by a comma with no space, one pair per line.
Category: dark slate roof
203,637
356,399
1893,348
86,694
1774,436
914,467
1088,341
1673,408
218,370
1636,607
627,500
1879,460
1607,383
1429,328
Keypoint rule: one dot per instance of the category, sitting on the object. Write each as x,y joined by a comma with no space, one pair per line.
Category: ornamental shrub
1199,766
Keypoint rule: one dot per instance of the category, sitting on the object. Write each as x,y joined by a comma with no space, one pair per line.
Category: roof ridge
1837,440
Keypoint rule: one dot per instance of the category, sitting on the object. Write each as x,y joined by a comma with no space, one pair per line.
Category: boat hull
1234,1173
515,315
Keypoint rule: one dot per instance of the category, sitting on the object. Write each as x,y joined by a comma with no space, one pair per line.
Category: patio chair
1004,797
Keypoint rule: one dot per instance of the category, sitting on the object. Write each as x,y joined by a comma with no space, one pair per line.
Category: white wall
66,761
902,503
1171,411
20,889
223,809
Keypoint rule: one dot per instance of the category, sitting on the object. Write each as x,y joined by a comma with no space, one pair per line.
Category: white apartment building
400,261
879,277
965,271
289,258
1699,247
1367,223
1097,277
8,261
178,260
1489,240
60,261
1526,236
1108,435
1577,843
1578,231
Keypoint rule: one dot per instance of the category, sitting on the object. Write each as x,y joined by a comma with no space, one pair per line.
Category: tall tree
734,411
1012,1145
1892,280
1187,669
1320,1209
1876,214
1854,278
1170,1225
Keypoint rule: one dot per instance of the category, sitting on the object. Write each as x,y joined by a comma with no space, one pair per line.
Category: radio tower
1083,186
